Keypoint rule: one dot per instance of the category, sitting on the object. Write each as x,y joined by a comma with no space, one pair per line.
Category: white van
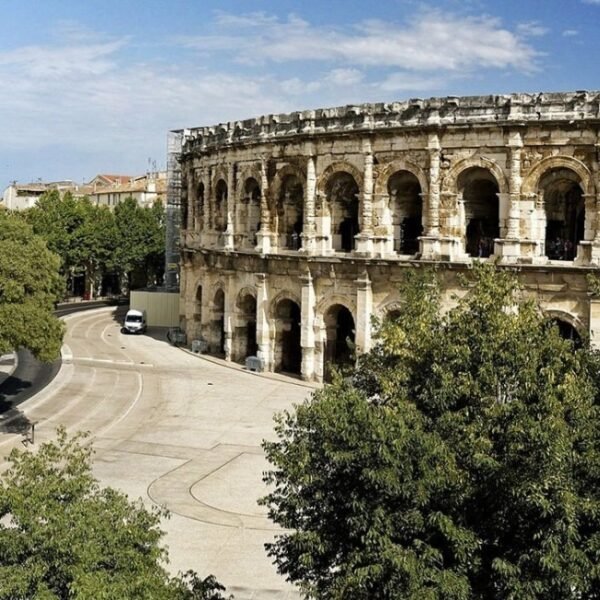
135,321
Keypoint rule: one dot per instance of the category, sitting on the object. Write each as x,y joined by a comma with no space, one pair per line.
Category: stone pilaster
513,226
364,240
364,311
263,338
191,200
307,332
228,234
309,227
263,236
228,314
430,242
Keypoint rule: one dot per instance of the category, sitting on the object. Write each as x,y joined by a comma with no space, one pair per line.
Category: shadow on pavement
12,420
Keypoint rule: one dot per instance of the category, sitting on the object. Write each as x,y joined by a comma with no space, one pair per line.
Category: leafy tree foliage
29,285
140,239
62,536
460,461
93,240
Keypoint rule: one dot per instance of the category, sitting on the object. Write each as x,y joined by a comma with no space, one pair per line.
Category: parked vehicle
135,321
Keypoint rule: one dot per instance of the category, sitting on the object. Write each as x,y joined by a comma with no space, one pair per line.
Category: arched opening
198,305
479,191
221,206
342,197
392,315
406,208
199,212
340,329
249,218
567,331
565,213
288,350
244,338
218,323
290,213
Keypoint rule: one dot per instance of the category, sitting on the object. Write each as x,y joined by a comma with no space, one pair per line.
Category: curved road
175,429
31,376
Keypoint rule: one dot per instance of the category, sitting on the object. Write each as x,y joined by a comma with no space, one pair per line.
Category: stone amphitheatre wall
298,228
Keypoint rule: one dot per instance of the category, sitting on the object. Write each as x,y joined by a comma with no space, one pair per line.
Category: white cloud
432,41
532,29
570,32
345,76
591,2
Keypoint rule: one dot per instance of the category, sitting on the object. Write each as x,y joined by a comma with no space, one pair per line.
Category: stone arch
562,212
532,179
248,208
282,174
395,306
221,193
403,209
217,319
556,314
287,346
283,295
245,291
326,303
339,206
244,338
248,171
339,328
450,182
338,167
387,170
198,299
479,211
287,206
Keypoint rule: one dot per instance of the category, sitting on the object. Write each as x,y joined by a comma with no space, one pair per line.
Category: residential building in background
102,190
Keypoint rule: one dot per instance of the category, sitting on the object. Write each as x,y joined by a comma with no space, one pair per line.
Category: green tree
29,285
58,219
460,461
140,242
62,536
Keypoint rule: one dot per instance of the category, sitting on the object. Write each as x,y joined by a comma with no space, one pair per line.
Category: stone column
430,242
191,200
263,338
513,228
309,229
228,235
364,240
228,314
210,201
364,310
263,237
433,208
307,332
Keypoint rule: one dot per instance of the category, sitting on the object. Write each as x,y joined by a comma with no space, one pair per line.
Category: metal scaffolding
173,225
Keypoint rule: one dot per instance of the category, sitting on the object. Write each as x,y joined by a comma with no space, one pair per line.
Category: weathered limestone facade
298,228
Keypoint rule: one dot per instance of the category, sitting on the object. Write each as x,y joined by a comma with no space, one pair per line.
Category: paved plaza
178,430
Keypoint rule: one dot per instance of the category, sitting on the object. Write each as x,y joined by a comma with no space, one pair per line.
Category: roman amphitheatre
298,228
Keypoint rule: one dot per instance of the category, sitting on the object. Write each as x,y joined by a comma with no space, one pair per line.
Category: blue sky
94,86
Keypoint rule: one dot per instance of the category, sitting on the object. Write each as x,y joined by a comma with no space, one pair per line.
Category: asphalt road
31,375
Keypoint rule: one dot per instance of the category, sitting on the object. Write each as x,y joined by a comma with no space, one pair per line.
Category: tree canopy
93,240
29,285
460,460
62,536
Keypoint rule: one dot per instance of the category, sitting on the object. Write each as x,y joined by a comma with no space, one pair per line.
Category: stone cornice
513,109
